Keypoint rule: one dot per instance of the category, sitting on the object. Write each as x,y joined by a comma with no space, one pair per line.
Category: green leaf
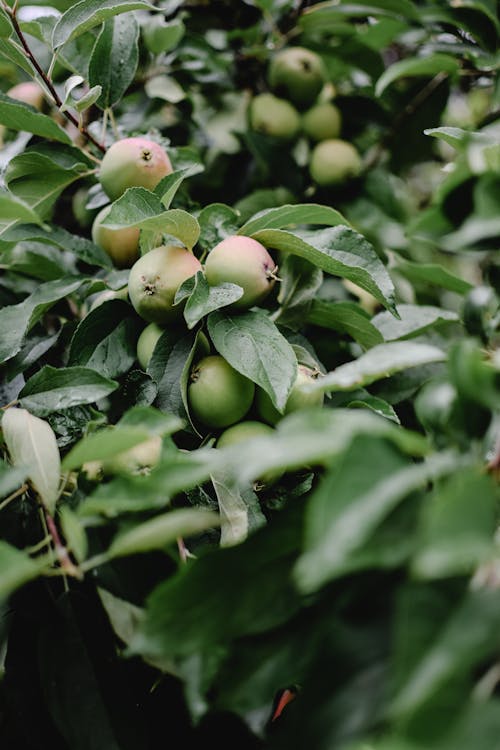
203,299
32,444
6,27
188,614
11,478
39,175
74,533
463,641
350,504
432,273
17,320
380,362
339,251
81,247
253,345
53,389
139,207
128,433
177,472
104,444
161,36
16,569
293,215
414,320
430,65
328,14
313,437
169,367
17,115
345,317
86,14
12,207
106,339
114,59
239,509
456,535
163,530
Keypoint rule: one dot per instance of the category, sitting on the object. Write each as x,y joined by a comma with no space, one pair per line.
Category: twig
13,496
12,12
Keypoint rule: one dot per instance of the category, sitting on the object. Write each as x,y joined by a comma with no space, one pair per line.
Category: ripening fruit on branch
274,116
28,92
246,430
299,397
334,162
133,162
122,245
218,395
155,278
243,261
297,74
146,343
322,121
137,460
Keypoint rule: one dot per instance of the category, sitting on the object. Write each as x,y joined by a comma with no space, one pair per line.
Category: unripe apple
133,162
83,216
298,398
297,74
122,245
273,116
146,343
137,460
155,278
322,121
246,430
243,261
218,395
28,92
334,162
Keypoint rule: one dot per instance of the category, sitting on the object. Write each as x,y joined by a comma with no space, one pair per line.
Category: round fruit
297,74
243,261
137,460
298,398
322,121
83,215
122,245
274,116
334,162
218,395
147,342
133,162
155,278
247,430
28,92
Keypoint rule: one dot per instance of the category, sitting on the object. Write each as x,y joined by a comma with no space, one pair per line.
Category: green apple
155,278
334,162
297,74
137,460
246,430
274,116
122,245
299,397
243,261
218,395
133,162
322,121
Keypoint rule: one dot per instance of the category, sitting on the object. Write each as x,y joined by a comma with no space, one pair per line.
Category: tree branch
57,100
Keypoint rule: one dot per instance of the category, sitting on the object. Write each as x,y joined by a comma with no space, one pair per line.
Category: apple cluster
299,102
221,400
